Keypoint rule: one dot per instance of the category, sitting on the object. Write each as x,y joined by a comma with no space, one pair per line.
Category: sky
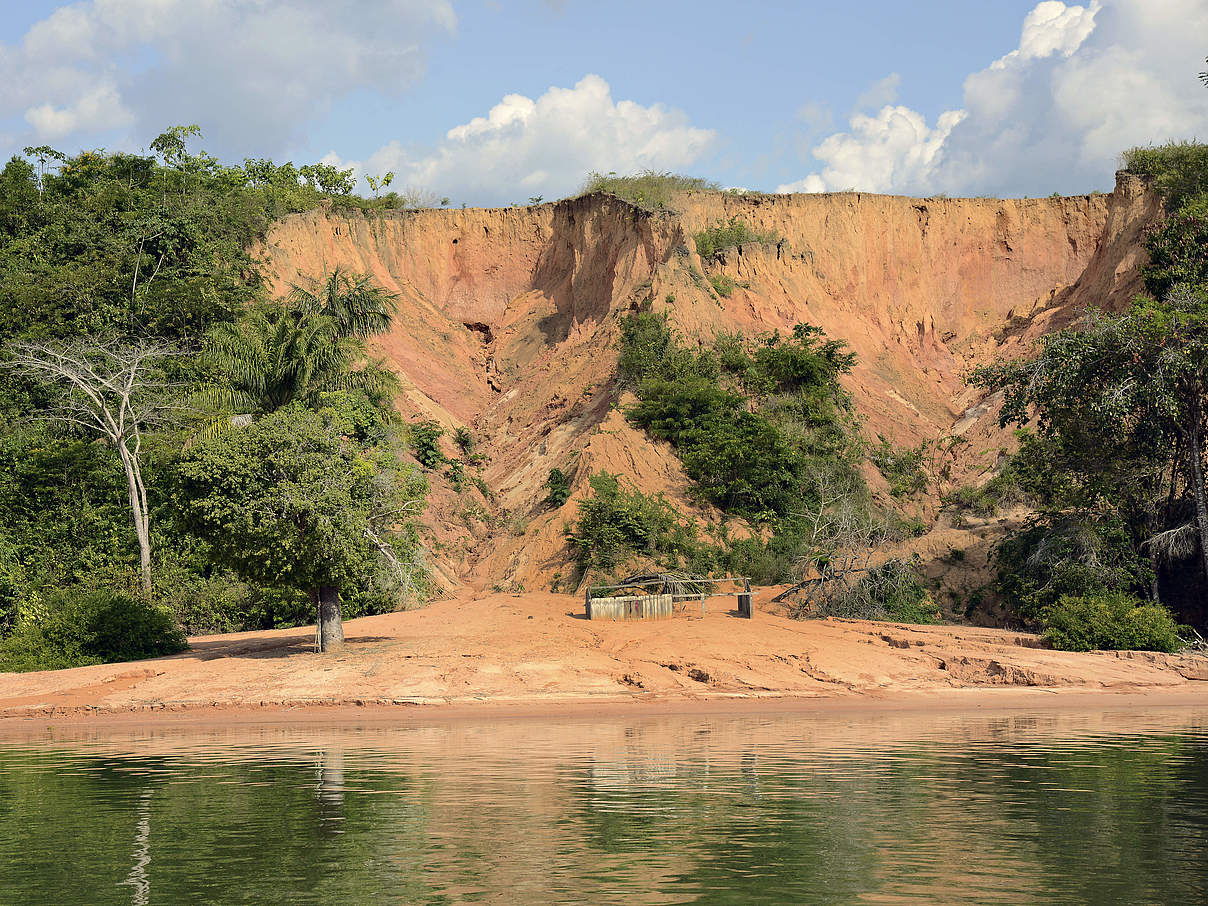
500,101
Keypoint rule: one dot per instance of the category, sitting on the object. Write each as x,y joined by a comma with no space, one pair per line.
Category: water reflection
1052,807
137,878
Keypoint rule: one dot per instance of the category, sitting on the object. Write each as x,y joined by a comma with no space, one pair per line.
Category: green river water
1046,807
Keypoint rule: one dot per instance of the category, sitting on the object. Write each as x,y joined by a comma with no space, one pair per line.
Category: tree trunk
138,508
331,625
1196,454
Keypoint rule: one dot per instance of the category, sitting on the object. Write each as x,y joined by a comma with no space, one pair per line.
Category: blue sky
494,101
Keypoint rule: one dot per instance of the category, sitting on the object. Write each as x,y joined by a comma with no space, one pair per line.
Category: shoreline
349,714
505,656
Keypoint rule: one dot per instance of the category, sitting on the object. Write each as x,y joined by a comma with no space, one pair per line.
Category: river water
1054,807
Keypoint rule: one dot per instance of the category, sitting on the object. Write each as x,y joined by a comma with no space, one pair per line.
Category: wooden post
746,601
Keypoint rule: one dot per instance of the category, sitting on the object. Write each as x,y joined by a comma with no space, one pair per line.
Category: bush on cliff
651,190
727,235
1179,170
618,524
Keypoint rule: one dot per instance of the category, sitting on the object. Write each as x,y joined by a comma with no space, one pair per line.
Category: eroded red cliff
508,320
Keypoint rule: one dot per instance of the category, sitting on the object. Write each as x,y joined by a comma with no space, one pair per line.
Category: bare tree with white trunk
114,391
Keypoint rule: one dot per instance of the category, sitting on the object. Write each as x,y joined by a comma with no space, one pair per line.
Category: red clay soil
535,653
508,320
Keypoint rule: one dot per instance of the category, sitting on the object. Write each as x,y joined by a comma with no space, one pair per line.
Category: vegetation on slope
1116,461
649,190
766,433
727,235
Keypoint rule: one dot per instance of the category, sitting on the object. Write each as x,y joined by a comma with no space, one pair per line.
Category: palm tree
274,356
357,307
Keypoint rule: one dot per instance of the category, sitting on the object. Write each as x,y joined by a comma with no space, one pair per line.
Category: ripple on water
1099,807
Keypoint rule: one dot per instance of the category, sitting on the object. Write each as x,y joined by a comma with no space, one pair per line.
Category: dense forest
181,453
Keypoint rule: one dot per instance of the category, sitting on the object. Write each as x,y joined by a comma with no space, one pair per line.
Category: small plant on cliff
905,469
425,443
464,440
558,484
724,285
649,189
725,235
456,473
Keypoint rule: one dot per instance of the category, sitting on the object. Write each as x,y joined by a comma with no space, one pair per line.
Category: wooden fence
661,606
630,607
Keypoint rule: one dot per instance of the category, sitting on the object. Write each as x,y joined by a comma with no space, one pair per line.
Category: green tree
274,356
43,154
1119,404
289,501
356,306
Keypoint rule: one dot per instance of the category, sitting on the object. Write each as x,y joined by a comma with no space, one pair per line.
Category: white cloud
1084,84
98,108
526,147
251,72
1051,28
894,148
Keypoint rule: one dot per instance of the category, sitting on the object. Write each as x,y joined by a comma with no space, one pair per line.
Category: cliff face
508,320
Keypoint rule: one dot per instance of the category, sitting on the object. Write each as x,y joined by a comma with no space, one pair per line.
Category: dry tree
111,390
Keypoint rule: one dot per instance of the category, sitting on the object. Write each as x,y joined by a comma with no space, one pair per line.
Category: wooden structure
641,604
630,607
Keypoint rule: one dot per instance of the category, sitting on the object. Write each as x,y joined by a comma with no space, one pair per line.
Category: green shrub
74,628
616,524
649,348
1178,250
204,606
1109,622
464,440
649,189
456,473
558,484
425,443
723,284
354,413
1179,170
726,235
1068,554
905,470
747,440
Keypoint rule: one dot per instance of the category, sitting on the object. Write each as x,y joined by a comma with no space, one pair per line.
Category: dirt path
537,651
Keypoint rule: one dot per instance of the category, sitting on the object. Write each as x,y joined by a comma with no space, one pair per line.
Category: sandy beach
535,655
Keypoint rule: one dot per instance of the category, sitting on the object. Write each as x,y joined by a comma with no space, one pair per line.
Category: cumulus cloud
1084,83
252,72
525,147
880,153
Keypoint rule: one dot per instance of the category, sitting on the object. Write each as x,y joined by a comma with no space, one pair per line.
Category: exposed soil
536,651
508,321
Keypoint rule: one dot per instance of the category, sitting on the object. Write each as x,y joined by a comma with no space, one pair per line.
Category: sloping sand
536,652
